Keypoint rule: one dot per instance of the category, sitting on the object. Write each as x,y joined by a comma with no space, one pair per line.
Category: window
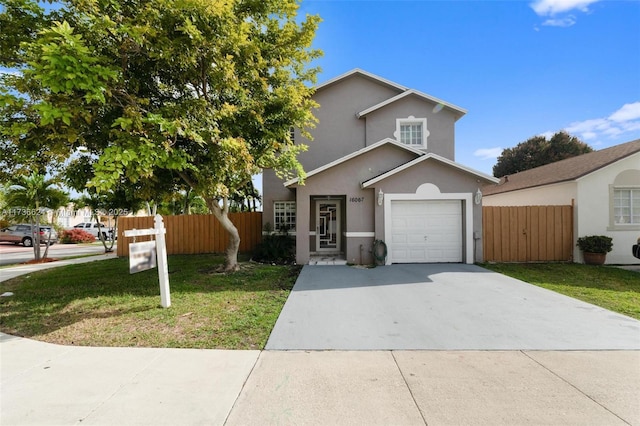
626,206
412,131
284,215
411,134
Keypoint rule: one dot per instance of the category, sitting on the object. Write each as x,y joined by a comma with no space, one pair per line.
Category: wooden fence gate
195,233
527,233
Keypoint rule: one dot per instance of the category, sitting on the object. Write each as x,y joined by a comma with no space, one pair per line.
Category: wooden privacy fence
527,233
197,233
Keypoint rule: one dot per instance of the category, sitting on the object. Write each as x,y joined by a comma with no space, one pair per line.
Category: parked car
102,232
24,234
635,249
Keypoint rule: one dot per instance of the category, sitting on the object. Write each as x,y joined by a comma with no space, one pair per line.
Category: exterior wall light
380,197
478,197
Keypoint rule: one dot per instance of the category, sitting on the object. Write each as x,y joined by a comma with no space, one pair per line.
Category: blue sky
520,68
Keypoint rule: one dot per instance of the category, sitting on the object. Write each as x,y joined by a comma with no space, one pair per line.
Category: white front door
328,226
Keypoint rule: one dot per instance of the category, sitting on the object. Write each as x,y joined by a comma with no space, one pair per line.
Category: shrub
277,248
75,236
595,244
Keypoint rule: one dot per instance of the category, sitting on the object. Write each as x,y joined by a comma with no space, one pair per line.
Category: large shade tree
538,151
206,90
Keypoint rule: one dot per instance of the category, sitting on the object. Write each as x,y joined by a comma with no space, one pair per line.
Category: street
14,254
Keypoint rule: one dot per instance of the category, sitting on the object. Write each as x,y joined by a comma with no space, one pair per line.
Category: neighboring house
70,216
380,167
604,187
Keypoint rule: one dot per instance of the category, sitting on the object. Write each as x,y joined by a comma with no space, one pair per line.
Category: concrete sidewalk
45,384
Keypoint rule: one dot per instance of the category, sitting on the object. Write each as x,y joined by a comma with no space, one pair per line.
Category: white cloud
589,135
626,113
488,153
553,7
562,22
600,124
624,120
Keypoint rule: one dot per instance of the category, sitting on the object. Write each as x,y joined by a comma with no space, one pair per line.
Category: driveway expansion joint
413,398
526,353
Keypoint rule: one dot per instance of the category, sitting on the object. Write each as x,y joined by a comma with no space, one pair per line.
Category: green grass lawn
606,286
101,304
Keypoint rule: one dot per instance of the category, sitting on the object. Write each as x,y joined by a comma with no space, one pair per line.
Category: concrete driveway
439,306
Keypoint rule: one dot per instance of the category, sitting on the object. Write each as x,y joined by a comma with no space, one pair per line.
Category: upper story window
412,131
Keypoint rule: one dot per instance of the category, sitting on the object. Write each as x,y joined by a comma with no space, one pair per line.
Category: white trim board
410,92
359,234
363,73
427,156
355,154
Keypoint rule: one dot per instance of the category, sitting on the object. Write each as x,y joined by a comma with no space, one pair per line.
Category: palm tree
31,195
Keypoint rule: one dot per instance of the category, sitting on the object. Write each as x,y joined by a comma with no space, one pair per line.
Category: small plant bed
101,304
76,236
612,288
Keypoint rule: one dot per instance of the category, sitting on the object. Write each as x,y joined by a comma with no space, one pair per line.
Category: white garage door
426,231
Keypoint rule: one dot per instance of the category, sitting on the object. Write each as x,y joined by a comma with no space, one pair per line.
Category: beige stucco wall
360,210
338,131
559,194
273,189
593,210
381,124
448,180
358,206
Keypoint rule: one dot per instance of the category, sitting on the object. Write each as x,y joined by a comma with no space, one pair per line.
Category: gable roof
422,158
387,141
459,111
565,170
368,75
403,91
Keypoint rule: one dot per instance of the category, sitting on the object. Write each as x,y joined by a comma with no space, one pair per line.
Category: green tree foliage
538,151
204,91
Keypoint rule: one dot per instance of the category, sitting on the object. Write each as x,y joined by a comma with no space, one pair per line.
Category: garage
426,231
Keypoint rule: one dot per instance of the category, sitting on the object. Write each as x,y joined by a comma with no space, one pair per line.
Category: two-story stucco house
381,166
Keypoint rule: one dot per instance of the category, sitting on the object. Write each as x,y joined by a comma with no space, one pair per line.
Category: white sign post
161,254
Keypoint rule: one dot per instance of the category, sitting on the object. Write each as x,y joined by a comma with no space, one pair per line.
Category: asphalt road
14,254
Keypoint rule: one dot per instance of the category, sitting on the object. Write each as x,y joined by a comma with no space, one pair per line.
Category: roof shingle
564,170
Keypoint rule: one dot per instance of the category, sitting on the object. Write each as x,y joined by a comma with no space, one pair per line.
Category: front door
328,226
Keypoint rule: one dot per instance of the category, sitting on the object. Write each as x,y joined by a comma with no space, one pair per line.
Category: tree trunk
187,203
222,214
46,250
36,235
102,235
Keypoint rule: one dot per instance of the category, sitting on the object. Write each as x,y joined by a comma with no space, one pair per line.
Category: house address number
356,199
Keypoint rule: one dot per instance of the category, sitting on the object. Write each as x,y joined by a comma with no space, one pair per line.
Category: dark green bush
276,248
595,244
